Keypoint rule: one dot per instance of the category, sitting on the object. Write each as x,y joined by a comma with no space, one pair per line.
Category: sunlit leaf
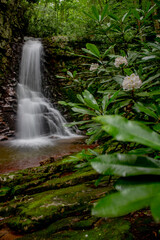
125,165
127,130
126,201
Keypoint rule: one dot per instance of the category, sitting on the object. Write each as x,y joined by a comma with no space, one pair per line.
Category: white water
37,120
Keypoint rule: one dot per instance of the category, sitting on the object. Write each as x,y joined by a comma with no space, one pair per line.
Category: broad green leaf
140,107
127,130
89,52
93,49
125,165
155,208
90,100
83,111
126,201
128,182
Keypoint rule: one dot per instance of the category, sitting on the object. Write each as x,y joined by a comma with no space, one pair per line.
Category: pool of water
13,158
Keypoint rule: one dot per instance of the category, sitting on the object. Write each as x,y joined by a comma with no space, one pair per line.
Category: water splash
37,120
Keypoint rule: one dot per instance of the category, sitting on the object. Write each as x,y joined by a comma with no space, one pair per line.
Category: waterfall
37,120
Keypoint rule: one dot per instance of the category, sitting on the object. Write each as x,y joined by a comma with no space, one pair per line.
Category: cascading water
37,120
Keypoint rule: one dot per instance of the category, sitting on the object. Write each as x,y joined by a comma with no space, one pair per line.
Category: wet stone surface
54,201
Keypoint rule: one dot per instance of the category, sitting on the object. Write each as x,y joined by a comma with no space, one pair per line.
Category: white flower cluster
94,66
131,82
119,61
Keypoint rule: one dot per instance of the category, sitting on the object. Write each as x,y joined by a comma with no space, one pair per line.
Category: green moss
65,181
117,229
4,192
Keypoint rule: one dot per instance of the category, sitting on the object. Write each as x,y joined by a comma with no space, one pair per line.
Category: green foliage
134,193
126,122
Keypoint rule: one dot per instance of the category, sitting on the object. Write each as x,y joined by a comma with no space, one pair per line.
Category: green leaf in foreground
155,209
125,165
128,200
126,130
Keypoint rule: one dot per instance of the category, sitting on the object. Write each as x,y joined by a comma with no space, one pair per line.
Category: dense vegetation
118,93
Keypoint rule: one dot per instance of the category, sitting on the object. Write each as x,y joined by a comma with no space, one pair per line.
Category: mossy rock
118,229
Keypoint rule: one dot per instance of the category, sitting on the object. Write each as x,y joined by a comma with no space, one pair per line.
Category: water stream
37,120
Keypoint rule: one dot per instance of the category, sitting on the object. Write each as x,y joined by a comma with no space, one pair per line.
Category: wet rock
3,138
54,201
7,108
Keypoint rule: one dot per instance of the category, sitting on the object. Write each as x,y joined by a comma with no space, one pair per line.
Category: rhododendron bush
118,106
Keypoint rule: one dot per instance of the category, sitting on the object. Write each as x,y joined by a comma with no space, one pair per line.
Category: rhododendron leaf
89,52
126,130
93,49
90,100
140,107
128,200
125,165
155,209
83,111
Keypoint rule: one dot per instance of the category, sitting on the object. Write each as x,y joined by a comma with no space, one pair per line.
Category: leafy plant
89,107
134,192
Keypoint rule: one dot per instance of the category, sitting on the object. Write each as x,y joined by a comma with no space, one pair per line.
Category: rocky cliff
12,28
